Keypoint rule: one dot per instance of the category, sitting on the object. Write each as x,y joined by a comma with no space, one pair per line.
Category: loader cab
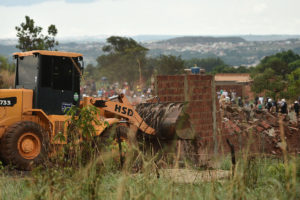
53,76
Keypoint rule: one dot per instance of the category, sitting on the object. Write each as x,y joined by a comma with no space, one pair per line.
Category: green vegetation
294,83
209,64
227,69
169,65
6,73
261,178
30,37
6,65
81,171
84,171
125,60
278,75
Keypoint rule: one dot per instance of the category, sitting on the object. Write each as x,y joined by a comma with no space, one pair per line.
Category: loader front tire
24,145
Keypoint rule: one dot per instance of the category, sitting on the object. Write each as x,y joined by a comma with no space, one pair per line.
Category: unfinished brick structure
199,92
210,133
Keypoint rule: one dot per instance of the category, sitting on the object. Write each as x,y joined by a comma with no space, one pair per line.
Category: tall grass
100,176
7,79
264,178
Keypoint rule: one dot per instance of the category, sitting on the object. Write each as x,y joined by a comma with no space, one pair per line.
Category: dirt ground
193,176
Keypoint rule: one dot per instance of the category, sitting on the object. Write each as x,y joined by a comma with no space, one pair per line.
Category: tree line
278,76
125,60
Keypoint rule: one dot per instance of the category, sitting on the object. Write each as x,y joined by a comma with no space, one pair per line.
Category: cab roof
48,53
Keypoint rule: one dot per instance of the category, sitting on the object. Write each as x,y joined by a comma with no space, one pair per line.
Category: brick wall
199,92
203,108
170,88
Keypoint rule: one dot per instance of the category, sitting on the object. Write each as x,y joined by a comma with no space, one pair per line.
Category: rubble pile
263,127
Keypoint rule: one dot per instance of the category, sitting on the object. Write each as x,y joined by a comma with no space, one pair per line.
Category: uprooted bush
82,143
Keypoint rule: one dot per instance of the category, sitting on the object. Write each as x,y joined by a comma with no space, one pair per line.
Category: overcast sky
159,17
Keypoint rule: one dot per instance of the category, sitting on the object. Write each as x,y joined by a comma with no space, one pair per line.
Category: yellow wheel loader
46,84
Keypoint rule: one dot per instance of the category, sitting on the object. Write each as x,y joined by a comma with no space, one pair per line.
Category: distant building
233,82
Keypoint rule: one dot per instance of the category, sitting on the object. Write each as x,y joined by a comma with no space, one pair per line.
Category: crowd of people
107,90
259,103
225,97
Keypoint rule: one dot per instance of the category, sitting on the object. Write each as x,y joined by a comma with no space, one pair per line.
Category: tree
169,65
227,69
209,64
276,64
282,63
294,65
6,65
294,84
124,60
123,45
277,75
30,37
270,83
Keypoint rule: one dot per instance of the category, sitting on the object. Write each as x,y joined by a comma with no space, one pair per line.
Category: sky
76,18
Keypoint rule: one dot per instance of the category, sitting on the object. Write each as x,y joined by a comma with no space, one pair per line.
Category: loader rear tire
24,145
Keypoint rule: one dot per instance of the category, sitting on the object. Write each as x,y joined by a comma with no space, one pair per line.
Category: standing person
149,92
233,96
275,104
269,105
283,107
225,93
296,108
259,105
240,102
111,92
256,100
100,92
222,101
261,99
93,88
267,100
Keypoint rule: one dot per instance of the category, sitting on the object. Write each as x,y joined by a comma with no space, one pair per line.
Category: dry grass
100,177
263,179
7,79
194,176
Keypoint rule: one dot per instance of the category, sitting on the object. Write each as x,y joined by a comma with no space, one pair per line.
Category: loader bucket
168,119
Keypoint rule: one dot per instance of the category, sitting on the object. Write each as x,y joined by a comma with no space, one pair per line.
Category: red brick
191,77
265,125
160,78
180,91
259,129
196,97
